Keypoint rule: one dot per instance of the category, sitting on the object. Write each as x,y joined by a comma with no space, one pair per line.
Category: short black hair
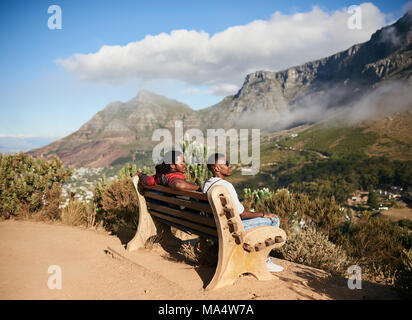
211,161
169,158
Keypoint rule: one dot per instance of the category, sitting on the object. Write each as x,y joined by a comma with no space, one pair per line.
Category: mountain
328,82
308,93
116,132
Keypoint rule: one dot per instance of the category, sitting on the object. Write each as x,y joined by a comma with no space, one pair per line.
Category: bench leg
145,229
235,262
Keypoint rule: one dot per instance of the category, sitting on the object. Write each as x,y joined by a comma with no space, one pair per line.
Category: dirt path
27,249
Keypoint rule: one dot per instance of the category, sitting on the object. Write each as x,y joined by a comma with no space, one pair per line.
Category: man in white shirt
220,167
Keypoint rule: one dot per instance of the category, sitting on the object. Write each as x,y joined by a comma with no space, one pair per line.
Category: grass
75,213
330,139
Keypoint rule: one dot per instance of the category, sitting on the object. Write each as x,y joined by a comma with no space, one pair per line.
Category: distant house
394,193
358,197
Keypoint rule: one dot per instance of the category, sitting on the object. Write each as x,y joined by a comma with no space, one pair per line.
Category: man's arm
143,178
249,215
180,184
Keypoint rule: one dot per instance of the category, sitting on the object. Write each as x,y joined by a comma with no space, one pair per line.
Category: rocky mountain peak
146,96
387,55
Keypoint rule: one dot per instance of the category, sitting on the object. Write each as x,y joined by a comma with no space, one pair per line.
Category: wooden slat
184,214
185,229
191,194
190,225
181,202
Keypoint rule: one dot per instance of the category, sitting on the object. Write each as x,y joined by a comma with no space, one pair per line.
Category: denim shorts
257,222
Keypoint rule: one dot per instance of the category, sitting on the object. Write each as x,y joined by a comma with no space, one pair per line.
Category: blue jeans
257,222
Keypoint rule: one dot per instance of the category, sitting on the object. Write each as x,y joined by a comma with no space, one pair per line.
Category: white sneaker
272,267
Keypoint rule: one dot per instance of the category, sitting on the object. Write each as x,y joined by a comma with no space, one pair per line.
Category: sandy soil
27,249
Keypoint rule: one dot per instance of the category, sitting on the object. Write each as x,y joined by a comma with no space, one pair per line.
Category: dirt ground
89,271
396,214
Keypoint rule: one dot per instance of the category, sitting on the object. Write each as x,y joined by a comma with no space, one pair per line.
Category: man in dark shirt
170,172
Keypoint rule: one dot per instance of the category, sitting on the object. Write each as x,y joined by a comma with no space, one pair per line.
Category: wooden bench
213,215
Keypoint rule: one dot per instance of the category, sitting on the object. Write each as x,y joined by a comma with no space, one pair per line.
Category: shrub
31,186
75,213
405,223
313,248
403,279
296,211
51,203
375,244
252,198
116,205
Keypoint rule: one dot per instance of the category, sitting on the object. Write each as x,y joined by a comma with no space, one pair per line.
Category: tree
373,199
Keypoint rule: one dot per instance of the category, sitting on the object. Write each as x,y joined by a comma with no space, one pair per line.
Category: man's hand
142,178
271,216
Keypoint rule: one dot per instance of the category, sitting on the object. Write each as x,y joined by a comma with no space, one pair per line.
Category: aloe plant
196,159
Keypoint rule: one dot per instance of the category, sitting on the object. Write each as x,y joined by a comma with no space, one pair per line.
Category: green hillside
390,136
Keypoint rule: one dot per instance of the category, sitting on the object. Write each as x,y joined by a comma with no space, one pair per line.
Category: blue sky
46,90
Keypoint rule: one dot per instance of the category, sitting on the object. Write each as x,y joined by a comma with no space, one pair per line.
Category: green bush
30,186
375,244
296,210
116,205
313,248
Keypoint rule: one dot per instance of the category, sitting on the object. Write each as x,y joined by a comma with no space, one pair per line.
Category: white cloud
407,7
223,90
221,61
191,91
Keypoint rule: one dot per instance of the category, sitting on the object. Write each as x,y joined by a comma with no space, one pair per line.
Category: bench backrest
187,210
193,211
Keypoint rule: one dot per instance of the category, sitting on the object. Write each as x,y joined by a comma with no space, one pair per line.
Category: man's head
173,161
179,164
219,166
